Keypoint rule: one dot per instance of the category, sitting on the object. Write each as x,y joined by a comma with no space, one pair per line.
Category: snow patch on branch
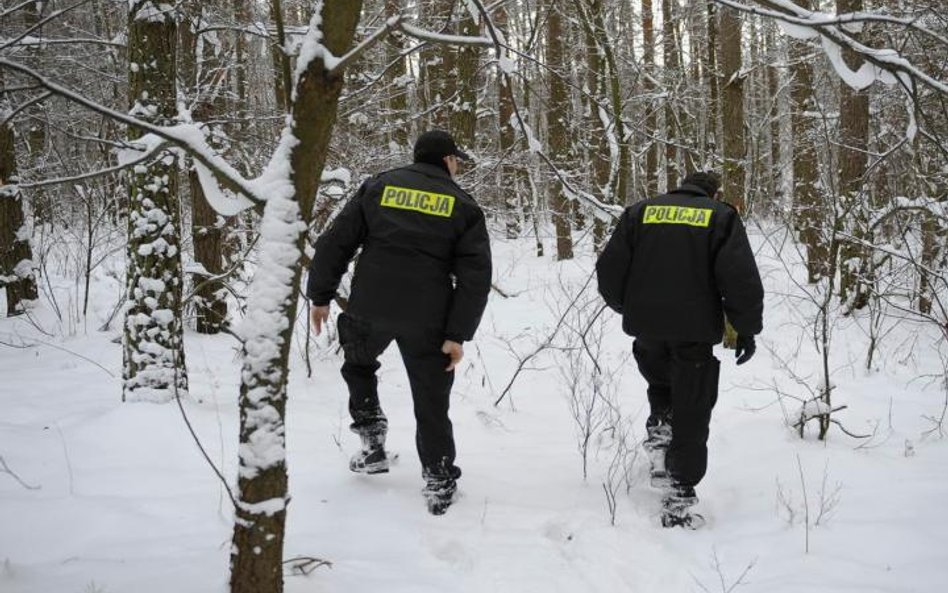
312,48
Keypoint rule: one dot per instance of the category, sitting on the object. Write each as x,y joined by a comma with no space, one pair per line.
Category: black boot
676,508
372,459
440,488
659,436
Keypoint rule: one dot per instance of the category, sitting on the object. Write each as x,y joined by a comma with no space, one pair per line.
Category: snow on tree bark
16,255
153,367
290,182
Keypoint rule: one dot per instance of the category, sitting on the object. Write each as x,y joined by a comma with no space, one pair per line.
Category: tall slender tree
153,347
557,126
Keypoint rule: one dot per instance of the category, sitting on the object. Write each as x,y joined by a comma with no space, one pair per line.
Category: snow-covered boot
676,508
372,459
440,489
659,436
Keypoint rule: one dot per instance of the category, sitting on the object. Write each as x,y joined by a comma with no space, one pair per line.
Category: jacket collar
430,170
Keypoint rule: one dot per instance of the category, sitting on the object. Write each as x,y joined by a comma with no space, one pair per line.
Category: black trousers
682,390
430,387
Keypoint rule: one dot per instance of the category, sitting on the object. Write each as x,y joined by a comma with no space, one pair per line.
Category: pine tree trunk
259,529
558,131
154,368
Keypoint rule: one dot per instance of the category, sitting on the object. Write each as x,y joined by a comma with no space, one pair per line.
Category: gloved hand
744,349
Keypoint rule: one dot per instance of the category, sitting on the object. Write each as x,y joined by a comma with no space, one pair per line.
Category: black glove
745,349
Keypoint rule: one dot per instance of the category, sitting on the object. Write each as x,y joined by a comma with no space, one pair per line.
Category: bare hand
453,350
318,316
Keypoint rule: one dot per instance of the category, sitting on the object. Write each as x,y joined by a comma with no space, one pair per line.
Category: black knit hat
707,181
433,146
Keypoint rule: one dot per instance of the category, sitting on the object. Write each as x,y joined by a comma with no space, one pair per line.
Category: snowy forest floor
116,498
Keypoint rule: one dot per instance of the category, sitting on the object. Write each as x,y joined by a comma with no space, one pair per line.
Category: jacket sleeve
472,272
612,267
738,279
335,248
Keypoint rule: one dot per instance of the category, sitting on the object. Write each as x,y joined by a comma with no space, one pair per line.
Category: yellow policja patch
677,215
404,198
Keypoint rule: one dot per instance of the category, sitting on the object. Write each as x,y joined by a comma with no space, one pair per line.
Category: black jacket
675,263
425,261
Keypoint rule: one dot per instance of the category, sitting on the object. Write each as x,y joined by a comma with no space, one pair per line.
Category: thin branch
39,24
25,105
222,171
117,168
5,469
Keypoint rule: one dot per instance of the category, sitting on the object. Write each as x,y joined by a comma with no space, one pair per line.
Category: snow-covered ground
117,498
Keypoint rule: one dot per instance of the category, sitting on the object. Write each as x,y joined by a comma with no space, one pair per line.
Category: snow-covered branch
884,65
431,37
189,137
7,43
606,212
11,114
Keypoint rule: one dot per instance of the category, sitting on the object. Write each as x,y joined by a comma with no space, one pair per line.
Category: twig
305,565
546,343
5,469
197,441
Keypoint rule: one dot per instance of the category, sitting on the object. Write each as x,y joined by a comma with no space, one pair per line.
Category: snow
126,502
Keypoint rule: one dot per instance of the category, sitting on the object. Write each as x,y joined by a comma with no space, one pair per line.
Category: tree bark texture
808,211
16,256
259,529
558,130
853,160
207,228
154,366
732,110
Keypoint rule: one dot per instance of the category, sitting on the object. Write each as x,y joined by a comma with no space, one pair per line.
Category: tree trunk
558,131
733,184
464,107
259,529
508,180
807,208
397,78
154,368
670,52
650,123
16,256
207,228
438,83
853,159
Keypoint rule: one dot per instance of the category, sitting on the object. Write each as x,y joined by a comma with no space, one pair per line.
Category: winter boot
656,445
372,459
440,489
676,508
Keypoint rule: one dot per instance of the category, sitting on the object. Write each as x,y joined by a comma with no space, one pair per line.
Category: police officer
422,281
675,265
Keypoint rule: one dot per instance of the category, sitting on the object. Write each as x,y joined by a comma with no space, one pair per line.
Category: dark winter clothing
430,386
682,389
423,277
425,261
674,265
